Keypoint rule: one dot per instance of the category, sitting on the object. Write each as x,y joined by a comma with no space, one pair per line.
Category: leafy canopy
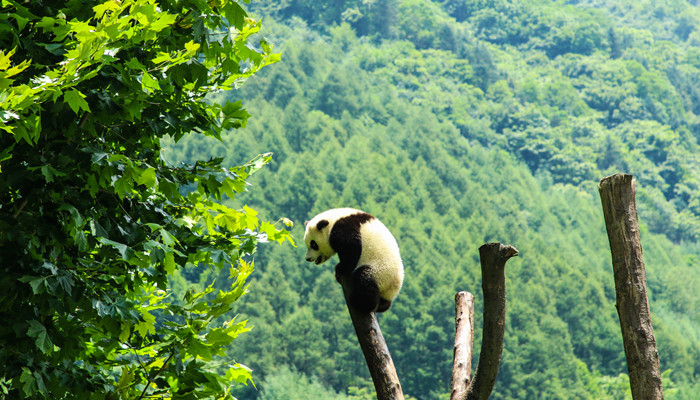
93,222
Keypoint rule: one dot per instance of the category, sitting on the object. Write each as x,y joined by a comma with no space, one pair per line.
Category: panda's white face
316,237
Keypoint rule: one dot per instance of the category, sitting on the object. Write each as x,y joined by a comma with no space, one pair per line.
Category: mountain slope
460,136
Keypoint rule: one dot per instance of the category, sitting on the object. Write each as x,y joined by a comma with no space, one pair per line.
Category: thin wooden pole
617,193
464,342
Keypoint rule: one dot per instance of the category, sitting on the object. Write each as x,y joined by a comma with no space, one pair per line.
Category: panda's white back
381,252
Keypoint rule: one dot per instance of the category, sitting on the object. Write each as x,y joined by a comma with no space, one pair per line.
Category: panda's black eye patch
313,245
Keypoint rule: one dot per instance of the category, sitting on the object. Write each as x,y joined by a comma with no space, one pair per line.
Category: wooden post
381,367
493,283
464,342
617,193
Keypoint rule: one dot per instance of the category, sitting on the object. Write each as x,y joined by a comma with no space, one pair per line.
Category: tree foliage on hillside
94,223
460,136
537,64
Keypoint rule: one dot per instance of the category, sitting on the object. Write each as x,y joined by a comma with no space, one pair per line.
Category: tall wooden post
617,193
374,348
493,283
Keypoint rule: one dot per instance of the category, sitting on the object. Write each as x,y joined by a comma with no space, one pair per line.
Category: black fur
346,240
365,293
322,224
383,305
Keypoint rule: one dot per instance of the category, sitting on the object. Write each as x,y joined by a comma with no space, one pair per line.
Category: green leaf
38,332
167,238
126,378
125,251
49,172
101,9
240,373
230,219
147,325
125,332
272,232
124,185
103,308
146,177
37,283
65,281
80,240
162,57
150,84
134,63
198,349
218,336
5,59
76,101
29,386
251,221
259,162
169,262
163,21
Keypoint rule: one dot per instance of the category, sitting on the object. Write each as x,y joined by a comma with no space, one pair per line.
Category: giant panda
367,251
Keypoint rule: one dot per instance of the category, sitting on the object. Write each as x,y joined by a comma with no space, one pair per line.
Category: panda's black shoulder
345,235
351,223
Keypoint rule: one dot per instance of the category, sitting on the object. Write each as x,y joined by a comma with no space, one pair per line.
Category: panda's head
316,237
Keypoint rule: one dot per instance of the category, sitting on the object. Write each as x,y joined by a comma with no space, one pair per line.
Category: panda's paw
341,271
383,305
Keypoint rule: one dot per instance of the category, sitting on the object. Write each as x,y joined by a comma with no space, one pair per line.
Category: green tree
94,222
288,384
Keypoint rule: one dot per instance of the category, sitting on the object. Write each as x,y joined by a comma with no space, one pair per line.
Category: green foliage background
461,122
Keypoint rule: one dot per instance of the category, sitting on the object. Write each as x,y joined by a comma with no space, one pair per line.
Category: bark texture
464,342
617,193
493,262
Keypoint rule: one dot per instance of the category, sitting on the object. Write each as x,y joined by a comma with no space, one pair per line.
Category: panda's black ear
322,224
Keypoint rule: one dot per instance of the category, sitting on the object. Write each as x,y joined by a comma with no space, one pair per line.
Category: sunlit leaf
76,101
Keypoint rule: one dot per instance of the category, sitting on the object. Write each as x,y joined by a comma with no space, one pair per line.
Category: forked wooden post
617,193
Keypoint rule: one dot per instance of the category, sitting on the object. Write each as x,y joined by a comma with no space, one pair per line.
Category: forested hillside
458,123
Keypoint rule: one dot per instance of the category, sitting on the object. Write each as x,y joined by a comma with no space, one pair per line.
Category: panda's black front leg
364,294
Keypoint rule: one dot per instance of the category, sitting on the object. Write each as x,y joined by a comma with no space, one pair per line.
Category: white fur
379,249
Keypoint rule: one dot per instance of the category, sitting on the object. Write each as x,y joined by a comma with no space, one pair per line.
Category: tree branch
617,194
464,342
153,378
493,262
